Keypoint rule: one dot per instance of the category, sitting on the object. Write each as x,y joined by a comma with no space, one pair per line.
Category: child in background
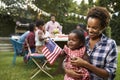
39,36
31,41
30,38
75,48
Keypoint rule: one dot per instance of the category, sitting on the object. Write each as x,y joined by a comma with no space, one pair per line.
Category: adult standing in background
102,50
53,27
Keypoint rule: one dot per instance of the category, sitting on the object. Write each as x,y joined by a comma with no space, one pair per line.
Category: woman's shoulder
108,40
111,40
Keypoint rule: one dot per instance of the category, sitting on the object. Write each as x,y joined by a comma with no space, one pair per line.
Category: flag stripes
51,56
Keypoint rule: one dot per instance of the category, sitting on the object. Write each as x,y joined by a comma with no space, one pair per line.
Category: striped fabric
103,55
51,51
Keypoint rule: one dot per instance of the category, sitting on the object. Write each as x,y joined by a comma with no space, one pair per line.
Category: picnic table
61,40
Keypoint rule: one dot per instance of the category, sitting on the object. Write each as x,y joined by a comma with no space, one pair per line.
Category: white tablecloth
60,39
55,39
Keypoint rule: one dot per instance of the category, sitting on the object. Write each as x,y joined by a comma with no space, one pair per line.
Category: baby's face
73,41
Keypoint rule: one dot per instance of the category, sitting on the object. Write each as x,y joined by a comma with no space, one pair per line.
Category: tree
13,7
58,8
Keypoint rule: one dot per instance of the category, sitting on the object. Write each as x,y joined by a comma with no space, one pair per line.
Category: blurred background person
30,39
40,35
83,27
53,27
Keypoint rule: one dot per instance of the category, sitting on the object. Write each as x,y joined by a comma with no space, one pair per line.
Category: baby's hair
80,35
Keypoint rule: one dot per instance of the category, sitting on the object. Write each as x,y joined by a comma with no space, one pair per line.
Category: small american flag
51,51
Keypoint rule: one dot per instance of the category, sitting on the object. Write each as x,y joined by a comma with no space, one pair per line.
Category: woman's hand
73,73
78,62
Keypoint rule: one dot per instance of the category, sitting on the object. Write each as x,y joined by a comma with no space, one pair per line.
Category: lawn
118,68
22,71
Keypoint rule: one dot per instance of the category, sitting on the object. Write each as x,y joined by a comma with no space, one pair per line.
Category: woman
101,49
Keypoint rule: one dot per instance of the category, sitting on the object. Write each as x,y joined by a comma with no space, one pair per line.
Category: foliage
115,28
108,31
61,8
58,8
7,25
13,7
83,8
115,21
69,25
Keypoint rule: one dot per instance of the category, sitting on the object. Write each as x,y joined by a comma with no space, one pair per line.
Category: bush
115,24
68,26
108,31
7,25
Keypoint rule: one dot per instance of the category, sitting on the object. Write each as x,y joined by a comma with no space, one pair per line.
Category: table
61,41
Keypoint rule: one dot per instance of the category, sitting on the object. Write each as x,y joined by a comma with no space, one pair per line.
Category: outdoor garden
23,71
68,13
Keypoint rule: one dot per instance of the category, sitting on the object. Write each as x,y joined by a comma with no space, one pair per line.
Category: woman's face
94,28
73,41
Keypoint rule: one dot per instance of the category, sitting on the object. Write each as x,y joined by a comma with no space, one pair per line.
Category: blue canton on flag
51,51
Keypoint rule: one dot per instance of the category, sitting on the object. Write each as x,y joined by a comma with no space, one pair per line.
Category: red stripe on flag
54,58
54,54
51,56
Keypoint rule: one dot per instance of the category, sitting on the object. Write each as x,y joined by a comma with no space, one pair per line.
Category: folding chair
34,56
17,46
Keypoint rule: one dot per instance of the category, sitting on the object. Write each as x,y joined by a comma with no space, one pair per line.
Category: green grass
22,71
118,68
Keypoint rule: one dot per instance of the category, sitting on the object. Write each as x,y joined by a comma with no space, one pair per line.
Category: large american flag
51,51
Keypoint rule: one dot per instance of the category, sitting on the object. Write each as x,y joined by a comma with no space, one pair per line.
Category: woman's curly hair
100,13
